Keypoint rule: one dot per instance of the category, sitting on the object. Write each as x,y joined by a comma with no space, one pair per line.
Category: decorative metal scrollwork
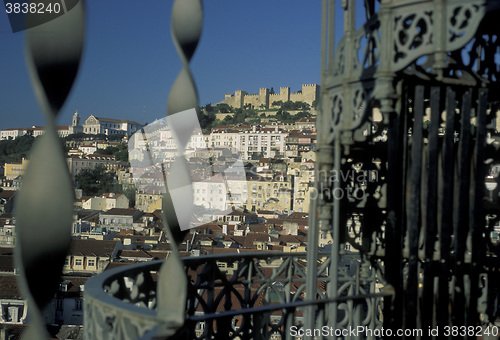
367,42
412,35
460,20
339,62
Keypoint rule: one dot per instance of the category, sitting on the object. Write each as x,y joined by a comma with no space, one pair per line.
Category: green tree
14,150
108,151
251,112
206,116
96,181
118,136
120,152
209,108
215,123
130,191
302,114
224,108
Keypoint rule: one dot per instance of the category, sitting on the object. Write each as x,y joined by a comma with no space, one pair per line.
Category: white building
77,164
224,138
264,142
210,193
88,148
106,201
11,133
109,126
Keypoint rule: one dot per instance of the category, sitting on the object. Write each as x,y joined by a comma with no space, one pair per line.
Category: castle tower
285,93
310,92
239,97
264,96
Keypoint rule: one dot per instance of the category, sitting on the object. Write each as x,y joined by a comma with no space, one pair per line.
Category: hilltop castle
265,99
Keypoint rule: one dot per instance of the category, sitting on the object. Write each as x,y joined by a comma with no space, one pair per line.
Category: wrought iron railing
246,296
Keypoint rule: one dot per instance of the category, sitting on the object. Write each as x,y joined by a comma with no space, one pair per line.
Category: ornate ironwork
417,60
247,295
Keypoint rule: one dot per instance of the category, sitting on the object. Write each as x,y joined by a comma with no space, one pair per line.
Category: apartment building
78,163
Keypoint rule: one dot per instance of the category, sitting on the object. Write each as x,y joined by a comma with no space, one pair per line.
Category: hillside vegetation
250,115
14,150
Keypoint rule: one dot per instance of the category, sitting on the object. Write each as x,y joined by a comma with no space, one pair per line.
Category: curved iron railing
251,295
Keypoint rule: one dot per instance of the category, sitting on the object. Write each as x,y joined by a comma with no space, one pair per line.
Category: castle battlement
263,99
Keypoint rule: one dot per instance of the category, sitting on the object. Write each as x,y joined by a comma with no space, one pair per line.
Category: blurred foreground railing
251,295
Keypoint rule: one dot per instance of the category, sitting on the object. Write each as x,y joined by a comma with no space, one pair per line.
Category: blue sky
129,62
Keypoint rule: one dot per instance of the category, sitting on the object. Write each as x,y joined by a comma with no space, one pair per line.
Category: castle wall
221,116
309,93
229,100
274,98
296,97
253,99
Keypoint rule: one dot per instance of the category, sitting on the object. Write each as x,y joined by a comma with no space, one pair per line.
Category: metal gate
440,252
409,134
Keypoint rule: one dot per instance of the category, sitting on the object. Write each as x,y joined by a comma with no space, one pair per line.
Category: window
91,262
66,261
78,304
78,262
13,314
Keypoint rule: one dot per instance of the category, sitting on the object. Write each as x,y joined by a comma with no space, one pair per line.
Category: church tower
76,119
75,124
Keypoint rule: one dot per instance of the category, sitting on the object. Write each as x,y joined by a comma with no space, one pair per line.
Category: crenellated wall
308,94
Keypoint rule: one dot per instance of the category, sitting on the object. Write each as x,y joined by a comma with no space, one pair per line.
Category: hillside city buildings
266,209
92,125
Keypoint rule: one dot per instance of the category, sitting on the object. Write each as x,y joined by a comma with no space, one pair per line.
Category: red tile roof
135,253
120,211
9,288
92,248
7,194
7,263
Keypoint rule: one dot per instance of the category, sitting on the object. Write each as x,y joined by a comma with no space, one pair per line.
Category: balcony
264,298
